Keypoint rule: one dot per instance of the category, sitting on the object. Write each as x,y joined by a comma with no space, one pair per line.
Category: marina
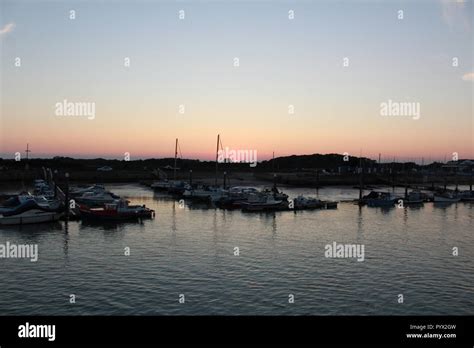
192,226
188,248
52,201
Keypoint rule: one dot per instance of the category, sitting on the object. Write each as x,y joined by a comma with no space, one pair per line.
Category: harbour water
189,250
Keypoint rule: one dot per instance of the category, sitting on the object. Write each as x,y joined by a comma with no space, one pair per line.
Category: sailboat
171,186
207,193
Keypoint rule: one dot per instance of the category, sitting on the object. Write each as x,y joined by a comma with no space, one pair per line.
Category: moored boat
16,201
29,212
414,197
96,198
32,216
236,196
119,210
205,193
380,199
277,194
178,187
307,203
263,202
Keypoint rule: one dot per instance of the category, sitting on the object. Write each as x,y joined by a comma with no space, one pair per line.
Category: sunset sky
283,62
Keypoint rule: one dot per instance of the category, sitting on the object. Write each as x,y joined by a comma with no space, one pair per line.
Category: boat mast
273,162
361,173
175,158
217,154
27,150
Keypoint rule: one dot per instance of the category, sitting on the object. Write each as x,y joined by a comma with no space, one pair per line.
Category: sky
333,64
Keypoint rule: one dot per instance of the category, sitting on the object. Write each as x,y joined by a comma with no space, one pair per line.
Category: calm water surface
190,250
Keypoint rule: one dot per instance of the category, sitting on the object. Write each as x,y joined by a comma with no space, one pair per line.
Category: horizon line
388,159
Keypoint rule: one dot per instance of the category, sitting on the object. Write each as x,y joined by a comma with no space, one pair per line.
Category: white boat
97,198
32,216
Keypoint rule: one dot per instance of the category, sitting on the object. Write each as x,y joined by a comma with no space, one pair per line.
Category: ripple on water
191,252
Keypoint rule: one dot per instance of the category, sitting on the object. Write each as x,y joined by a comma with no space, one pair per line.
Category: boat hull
380,203
261,207
31,218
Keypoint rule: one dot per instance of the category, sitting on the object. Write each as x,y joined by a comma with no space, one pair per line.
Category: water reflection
360,220
173,218
31,231
417,206
282,251
66,240
86,225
